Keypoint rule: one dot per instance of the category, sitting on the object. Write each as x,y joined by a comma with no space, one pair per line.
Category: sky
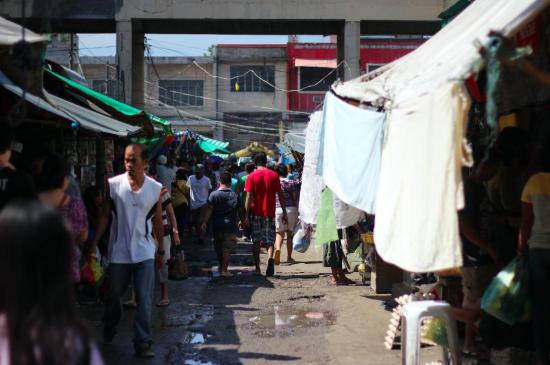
182,44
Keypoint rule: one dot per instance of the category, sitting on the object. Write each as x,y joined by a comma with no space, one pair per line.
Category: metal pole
71,52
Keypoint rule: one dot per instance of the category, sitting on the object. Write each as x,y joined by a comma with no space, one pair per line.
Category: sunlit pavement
297,316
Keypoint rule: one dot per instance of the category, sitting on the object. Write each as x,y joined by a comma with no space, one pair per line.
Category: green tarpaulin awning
93,121
71,112
128,112
210,145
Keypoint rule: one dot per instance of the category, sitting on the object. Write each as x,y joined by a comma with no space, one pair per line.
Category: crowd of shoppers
137,222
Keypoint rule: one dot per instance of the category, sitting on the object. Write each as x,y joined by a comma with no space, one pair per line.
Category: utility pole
71,52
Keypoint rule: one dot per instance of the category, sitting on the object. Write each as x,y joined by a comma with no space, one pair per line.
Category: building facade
243,93
312,66
175,88
252,93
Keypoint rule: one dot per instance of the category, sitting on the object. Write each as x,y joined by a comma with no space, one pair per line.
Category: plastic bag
92,272
507,296
177,267
301,239
436,332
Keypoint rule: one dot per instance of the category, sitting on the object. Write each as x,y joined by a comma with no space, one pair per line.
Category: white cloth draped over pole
351,145
312,184
420,186
344,214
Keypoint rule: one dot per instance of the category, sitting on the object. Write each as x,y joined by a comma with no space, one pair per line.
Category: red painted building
309,63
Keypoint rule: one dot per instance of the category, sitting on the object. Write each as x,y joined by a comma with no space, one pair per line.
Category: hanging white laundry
312,184
345,214
420,186
351,145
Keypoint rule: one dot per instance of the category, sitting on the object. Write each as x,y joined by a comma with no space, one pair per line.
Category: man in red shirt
261,187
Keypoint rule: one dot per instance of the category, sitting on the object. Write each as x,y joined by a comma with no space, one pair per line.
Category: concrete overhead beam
350,10
284,27
229,17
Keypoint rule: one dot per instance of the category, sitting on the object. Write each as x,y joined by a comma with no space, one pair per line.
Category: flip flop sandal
163,303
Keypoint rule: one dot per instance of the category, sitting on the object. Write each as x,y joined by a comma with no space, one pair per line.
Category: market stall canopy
296,142
450,55
21,56
115,108
427,105
253,148
72,113
285,153
93,121
213,146
11,33
35,100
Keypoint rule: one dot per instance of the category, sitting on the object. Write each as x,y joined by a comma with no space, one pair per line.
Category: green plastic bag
437,332
507,297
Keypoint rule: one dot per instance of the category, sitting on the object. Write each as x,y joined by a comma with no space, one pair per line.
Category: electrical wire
235,127
262,107
211,99
343,62
226,125
148,51
79,48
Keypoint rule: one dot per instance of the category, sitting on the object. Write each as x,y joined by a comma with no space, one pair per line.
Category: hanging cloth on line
326,222
312,184
351,151
420,182
345,215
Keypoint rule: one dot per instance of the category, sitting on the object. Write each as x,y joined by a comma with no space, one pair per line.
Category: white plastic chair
413,313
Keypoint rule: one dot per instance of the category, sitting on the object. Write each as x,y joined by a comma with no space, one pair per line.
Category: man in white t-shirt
134,205
166,175
200,187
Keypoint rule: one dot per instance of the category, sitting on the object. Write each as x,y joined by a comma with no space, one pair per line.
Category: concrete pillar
348,43
130,63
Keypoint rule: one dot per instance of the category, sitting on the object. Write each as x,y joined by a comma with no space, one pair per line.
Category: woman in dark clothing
37,320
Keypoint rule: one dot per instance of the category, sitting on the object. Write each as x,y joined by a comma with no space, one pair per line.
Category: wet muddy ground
295,317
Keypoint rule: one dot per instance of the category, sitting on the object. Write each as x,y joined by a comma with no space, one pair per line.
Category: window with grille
181,92
106,87
310,78
247,78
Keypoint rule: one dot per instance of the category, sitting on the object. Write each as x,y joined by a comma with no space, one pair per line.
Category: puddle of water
193,315
198,362
283,322
241,286
195,338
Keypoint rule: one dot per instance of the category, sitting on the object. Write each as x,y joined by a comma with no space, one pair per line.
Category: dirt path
295,317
